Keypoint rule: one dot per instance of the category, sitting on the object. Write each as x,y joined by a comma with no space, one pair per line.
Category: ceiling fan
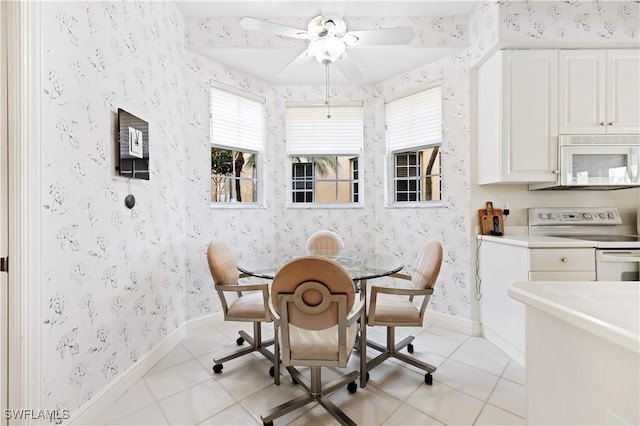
329,40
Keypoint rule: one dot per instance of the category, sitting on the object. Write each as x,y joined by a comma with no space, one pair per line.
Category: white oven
596,162
617,265
617,257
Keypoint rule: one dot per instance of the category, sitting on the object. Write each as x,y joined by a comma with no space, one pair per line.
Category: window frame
233,178
328,205
419,178
260,178
355,152
390,156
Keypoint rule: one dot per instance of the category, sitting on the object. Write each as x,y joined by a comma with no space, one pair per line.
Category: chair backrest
222,263
313,296
426,267
310,282
325,243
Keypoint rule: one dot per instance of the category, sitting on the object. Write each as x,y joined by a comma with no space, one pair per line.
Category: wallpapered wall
108,271
569,20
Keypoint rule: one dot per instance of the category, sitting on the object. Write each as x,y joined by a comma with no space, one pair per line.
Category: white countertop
610,310
537,241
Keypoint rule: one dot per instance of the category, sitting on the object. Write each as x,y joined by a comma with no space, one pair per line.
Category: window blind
236,122
310,132
415,120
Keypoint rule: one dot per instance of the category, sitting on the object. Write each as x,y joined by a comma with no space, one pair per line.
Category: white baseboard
203,323
506,347
461,325
95,407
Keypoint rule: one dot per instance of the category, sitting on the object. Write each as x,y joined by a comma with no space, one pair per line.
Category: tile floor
475,384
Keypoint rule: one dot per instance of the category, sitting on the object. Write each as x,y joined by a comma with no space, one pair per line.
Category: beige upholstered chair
315,309
250,305
394,307
325,243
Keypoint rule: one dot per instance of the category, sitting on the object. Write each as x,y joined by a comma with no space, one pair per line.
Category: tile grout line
485,403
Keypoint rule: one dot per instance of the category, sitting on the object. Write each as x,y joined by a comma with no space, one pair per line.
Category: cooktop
604,238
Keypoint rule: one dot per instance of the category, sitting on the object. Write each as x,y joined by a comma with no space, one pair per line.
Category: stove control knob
602,215
586,216
542,216
553,216
610,215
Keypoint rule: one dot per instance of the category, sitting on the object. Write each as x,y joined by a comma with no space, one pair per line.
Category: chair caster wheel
217,368
352,387
428,379
410,348
240,341
272,371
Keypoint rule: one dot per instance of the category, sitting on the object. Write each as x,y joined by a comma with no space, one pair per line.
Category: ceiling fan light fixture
327,48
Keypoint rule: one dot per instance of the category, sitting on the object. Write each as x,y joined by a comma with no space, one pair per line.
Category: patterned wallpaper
483,23
108,270
569,20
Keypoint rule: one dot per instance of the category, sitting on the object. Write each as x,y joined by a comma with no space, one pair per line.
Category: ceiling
376,63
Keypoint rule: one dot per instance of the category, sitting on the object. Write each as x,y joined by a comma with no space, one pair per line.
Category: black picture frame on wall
133,146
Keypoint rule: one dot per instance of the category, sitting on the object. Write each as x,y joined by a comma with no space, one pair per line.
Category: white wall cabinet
502,265
518,117
599,91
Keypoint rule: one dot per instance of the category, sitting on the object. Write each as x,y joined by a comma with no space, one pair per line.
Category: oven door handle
618,256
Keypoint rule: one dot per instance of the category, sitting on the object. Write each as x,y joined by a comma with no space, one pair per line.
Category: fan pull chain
326,102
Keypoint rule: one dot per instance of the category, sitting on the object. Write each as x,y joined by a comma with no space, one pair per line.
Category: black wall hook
130,201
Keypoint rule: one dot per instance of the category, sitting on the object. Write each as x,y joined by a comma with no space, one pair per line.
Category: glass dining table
362,266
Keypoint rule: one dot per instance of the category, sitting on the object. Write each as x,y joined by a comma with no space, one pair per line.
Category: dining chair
316,312
250,304
325,242
393,307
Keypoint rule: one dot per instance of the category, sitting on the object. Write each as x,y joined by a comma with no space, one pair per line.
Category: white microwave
596,162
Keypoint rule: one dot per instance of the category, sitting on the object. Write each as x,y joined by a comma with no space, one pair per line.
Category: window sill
417,205
317,206
233,206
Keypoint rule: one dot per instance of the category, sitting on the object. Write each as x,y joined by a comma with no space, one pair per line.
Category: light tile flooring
475,383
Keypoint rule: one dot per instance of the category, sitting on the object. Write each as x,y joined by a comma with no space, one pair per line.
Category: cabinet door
582,87
562,276
529,126
623,91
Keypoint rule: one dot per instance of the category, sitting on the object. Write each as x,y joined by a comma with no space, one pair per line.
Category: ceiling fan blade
254,24
297,61
349,68
379,37
333,8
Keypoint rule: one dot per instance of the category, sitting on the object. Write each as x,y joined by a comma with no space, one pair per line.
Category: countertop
610,310
537,241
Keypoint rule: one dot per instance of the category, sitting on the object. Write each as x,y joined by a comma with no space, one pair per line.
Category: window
302,182
237,143
417,175
414,142
328,179
354,172
324,153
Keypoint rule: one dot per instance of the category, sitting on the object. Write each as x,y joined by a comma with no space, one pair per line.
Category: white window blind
236,121
415,120
310,132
